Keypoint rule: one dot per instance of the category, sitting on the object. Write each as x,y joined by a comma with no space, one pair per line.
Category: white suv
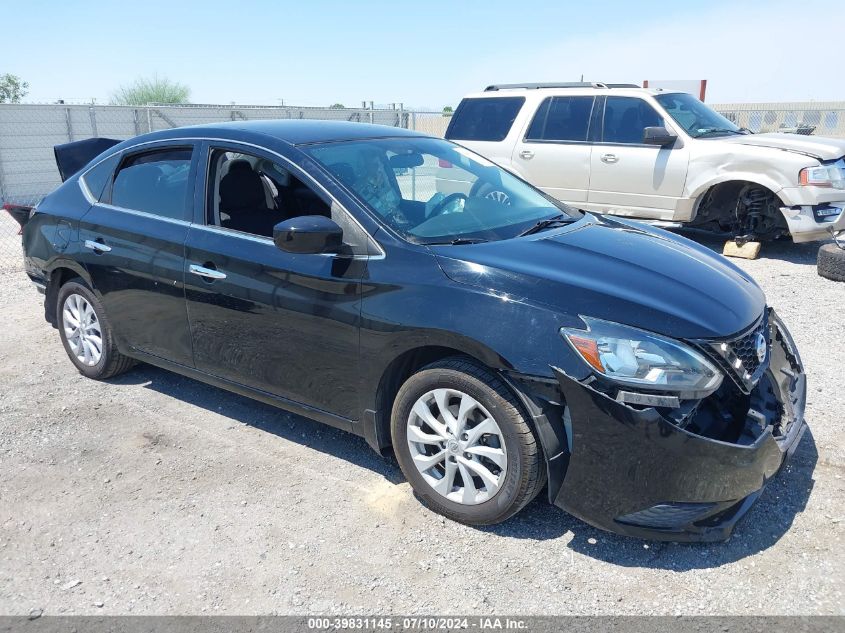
653,154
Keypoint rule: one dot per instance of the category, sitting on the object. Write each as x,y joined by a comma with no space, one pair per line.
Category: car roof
290,131
517,91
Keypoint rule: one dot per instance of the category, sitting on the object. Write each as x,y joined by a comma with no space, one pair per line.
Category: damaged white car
655,155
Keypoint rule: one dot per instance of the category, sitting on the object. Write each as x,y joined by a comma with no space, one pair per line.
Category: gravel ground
156,494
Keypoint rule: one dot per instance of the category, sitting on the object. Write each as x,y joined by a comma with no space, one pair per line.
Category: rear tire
478,464
831,262
86,333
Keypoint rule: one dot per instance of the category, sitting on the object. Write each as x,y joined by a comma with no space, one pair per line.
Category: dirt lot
153,493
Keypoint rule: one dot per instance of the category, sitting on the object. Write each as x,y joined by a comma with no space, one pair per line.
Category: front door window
625,118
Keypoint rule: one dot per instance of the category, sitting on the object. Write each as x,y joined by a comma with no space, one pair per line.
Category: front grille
738,357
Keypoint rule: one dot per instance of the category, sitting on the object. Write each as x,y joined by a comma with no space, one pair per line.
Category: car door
285,324
554,152
132,245
628,177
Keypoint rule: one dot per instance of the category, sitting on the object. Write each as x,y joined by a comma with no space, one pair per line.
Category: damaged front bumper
636,471
809,222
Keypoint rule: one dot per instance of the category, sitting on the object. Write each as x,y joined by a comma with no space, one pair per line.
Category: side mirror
308,235
658,136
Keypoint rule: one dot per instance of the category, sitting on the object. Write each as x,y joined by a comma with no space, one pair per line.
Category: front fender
705,183
713,163
437,316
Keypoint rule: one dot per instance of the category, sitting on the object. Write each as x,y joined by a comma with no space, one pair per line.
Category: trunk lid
71,157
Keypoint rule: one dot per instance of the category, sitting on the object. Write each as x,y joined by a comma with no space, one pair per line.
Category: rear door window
625,118
484,119
156,182
561,119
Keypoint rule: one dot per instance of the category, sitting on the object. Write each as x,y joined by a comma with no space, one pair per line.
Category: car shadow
243,410
785,250
769,519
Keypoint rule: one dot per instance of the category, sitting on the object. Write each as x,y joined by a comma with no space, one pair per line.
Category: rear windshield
484,119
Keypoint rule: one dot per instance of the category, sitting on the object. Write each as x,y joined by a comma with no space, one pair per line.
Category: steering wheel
441,206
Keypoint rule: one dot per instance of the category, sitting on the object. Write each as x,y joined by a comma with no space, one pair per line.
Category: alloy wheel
82,330
457,446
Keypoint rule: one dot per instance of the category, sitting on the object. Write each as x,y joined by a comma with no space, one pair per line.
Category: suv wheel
464,444
86,334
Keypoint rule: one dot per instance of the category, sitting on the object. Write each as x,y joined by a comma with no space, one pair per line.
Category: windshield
696,118
433,191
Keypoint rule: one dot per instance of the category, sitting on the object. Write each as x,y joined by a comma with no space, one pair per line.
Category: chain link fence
28,133
10,245
816,118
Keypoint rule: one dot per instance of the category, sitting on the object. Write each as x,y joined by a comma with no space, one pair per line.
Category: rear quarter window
484,119
100,175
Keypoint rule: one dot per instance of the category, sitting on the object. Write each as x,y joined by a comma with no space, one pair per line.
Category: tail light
445,164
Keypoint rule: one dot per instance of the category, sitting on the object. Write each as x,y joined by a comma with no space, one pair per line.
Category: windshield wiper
457,241
717,130
544,224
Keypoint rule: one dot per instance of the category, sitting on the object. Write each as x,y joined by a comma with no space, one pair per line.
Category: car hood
818,147
616,270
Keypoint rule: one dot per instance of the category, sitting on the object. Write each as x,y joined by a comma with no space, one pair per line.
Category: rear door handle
207,273
609,158
97,247
527,154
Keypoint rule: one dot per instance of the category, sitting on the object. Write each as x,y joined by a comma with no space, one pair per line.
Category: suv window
561,119
626,117
156,182
696,118
484,119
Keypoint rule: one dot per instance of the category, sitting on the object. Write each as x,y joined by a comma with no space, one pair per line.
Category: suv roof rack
559,84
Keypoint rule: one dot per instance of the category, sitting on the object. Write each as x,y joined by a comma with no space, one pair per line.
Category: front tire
86,333
464,444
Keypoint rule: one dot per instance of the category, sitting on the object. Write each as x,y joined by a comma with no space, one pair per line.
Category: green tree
153,89
338,106
12,88
448,111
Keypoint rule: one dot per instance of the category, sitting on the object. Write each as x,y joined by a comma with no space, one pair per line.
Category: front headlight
823,176
637,358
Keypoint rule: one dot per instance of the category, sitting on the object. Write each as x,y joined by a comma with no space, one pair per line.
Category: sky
425,53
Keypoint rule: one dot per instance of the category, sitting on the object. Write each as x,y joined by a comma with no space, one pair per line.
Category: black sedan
499,342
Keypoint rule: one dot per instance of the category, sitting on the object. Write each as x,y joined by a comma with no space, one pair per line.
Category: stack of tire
831,261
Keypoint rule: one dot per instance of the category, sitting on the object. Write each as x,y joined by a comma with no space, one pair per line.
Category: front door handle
207,273
97,247
609,158
527,154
